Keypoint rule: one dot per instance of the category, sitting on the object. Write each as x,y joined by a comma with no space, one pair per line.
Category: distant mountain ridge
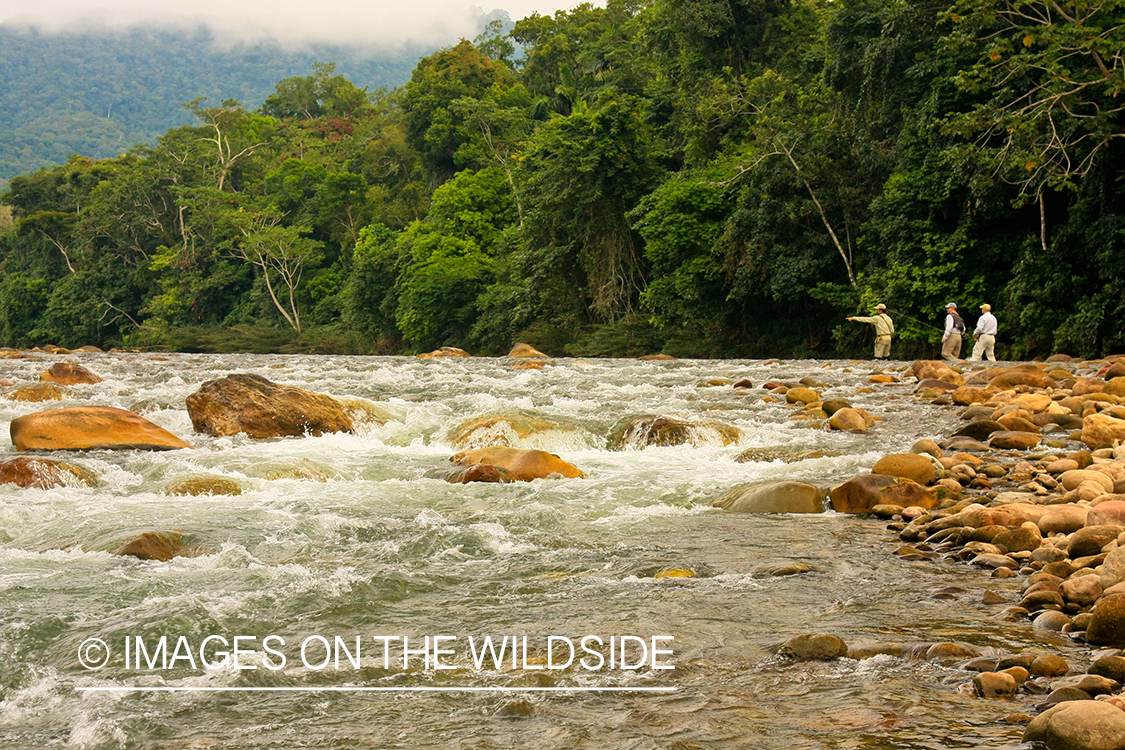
101,93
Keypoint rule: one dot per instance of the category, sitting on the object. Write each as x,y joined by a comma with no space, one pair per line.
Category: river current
387,548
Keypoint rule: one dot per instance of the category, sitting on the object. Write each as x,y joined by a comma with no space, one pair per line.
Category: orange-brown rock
526,350
1007,440
519,465
969,394
37,393
848,419
68,373
1115,387
936,369
262,409
1085,386
43,473
656,358
477,473
90,428
446,352
862,494
912,466
1009,380
1102,429
153,546
1013,423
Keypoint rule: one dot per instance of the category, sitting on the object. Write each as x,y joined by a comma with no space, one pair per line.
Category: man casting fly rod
884,329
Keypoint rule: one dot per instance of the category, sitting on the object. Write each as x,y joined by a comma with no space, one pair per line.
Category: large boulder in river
849,419
646,430
1079,725
910,466
90,428
68,373
1107,627
937,370
446,352
775,497
262,409
43,473
518,464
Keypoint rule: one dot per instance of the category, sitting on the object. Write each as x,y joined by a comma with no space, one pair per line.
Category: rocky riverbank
1032,486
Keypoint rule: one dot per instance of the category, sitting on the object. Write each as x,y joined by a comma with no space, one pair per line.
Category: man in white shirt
985,334
951,337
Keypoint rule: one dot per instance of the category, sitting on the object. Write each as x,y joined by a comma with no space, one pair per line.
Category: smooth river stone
250,404
90,428
775,497
1079,725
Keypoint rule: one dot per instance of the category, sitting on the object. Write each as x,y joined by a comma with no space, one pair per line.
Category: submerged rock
263,409
155,546
514,429
203,485
642,431
775,497
37,393
90,428
68,373
43,473
814,646
519,465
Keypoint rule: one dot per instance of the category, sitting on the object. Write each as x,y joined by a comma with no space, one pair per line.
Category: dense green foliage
703,178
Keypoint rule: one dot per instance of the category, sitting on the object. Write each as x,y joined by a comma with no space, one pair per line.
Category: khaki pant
986,345
882,347
951,349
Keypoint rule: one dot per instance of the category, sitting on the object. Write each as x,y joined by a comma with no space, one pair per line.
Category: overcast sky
376,22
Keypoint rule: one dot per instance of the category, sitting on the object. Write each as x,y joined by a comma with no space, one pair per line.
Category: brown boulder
1006,440
446,352
968,394
801,395
153,546
90,428
262,409
1111,512
1012,423
1102,429
520,465
937,385
68,373
1009,380
775,497
1078,725
1084,386
1089,540
848,420
43,473
862,494
656,358
1115,387
478,473
1107,627
979,429
37,393
912,466
526,350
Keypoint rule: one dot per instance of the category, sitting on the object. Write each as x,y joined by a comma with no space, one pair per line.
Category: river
386,548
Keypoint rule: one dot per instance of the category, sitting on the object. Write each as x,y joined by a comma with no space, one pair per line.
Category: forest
703,178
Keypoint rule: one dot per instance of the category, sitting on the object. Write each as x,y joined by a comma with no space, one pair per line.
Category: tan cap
880,306
986,307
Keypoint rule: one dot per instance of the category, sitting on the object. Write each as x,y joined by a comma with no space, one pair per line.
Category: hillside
101,93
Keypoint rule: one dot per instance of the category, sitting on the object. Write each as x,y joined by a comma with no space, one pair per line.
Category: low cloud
367,23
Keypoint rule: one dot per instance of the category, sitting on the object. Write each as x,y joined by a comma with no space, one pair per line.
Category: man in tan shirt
884,329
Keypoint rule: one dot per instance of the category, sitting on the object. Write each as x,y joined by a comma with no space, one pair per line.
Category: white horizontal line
359,689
